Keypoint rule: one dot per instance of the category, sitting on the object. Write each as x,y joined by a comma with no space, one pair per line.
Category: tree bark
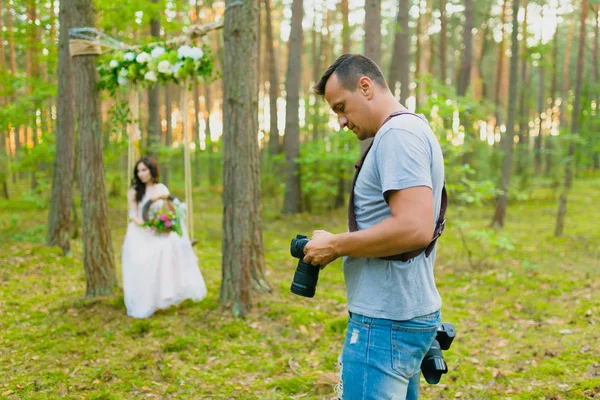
443,40
400,65
499,72
291,141
540,111
372,41
553,98
467,58
243,258
98,257
562,208
61,201
169,132
508,137
154,125
274,145
566,65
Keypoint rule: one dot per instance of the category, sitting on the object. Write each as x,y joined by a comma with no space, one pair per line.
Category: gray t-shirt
405,153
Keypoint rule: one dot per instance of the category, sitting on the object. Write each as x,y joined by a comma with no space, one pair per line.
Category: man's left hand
321,249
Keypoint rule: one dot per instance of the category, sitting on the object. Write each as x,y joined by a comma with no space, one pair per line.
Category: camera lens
305,279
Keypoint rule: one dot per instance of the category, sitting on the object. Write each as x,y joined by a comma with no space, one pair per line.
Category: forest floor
527,319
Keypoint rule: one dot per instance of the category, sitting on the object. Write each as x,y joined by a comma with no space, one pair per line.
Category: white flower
129,56
184,51
157,52
122,81
143,58
123,72
150,76
113,64
164,67
175,67
196,53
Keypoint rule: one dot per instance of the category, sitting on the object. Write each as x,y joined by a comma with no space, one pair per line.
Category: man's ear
365,87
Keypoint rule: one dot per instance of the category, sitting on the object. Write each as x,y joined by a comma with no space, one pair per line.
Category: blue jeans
382,358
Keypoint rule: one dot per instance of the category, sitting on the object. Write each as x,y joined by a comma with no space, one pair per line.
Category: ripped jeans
382,358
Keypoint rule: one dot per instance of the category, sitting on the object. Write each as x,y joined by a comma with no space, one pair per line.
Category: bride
158,270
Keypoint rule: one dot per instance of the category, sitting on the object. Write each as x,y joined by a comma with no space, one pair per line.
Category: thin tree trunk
243,258
154,125
562,208
443,40
523,134
540,110
98,256
400,65
596,151
499,73
196,133
61,201
345,27
467,58
566,65
169,132
372,41
274,146
553,99
508,137
293,193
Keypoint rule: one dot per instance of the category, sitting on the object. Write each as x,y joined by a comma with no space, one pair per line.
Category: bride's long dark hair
137,184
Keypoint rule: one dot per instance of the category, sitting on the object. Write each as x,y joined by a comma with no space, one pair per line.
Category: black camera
306,275
434,365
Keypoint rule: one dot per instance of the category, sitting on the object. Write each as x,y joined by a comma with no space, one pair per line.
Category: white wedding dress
158,270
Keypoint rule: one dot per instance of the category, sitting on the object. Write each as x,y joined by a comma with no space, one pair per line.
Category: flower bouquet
164,220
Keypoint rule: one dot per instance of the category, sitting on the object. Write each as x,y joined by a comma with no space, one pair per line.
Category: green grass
527,320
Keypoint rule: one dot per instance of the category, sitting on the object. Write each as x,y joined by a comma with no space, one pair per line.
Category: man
394,305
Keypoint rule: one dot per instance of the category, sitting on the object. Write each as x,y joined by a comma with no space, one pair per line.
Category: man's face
351,107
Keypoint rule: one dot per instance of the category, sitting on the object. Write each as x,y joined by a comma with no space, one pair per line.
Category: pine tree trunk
164,168
540,110
291,141
523,143
566,67
98,256
196,135
274,146
154,125
59,220
443,41
562,208
243,257
400,65
467,58
553,99
596,151
499,73
508,137
372,41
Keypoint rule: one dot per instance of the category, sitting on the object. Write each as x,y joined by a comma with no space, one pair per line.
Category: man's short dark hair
349,68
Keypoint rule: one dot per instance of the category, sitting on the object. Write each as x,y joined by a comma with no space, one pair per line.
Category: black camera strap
441,222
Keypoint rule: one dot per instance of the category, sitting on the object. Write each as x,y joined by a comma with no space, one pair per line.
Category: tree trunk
59,221
562,208
345,27
553,98
508,137
291,141
596,151
168,134
566,64
523,133
443,40
372,41
400,65
274,146
467,58
499,72
196,135
540,111
98,257
154,125
243,257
